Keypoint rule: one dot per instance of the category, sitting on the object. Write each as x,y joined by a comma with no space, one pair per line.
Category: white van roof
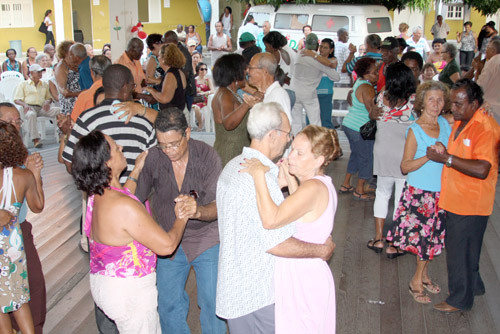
345,9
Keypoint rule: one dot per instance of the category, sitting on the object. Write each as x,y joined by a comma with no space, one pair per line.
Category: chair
8,86
9,74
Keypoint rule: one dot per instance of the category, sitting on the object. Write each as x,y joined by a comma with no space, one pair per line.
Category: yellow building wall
180,12
68,19
29,36
100,23
455,25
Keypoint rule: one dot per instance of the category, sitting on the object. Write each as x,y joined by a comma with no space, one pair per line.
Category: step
58,239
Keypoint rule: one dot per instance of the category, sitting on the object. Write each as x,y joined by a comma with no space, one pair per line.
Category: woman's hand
375,113
254,167
284,174
437,153
139,161
6,217
129,109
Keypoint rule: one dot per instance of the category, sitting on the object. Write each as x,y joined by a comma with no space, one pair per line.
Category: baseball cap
191,42
36,68
311,41
247,37
389,43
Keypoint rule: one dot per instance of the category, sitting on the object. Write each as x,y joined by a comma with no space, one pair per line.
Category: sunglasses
203,69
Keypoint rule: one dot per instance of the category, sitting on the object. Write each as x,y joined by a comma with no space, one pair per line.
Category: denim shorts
361,158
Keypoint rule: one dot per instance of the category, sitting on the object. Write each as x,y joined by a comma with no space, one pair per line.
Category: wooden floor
372,291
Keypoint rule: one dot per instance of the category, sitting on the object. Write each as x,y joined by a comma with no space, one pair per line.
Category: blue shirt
350,65
428,177
85,77
260,42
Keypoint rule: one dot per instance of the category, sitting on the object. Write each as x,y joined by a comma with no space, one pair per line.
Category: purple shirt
157,183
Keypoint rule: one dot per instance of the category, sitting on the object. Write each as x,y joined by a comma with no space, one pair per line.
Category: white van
325,20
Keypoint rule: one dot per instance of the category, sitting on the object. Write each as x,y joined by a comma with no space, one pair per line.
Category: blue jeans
361,158
325,109
173,300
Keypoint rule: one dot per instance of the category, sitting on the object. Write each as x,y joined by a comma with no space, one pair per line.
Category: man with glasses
135,136
245,293
36,281
181,169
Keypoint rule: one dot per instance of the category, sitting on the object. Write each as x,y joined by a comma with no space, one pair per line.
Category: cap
191,42
311,41
247,37
36,68
389,43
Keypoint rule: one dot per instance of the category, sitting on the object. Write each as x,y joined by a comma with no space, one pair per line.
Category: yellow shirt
31,94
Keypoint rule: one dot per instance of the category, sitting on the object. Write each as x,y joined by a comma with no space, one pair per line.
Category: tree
485,7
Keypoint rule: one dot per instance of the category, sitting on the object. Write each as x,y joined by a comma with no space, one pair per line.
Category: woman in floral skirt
420,226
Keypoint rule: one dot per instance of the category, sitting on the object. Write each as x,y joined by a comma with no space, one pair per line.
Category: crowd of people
420,127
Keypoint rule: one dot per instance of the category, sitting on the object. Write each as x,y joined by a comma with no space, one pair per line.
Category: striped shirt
350,65
135,137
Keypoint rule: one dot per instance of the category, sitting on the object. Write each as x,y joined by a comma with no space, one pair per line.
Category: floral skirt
419,223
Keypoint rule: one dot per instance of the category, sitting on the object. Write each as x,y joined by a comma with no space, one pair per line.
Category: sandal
362,197
377,250
432,287
419,296
345,190
396,254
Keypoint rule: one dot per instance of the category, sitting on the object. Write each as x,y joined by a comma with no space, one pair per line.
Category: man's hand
437,153
46,105
186,207
329,248
5,217
352,48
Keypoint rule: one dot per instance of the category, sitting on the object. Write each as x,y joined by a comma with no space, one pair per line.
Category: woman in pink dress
304,288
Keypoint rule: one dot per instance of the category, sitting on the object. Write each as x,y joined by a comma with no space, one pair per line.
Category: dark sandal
377,250
362,197
398,253
345,190
432,287
419,294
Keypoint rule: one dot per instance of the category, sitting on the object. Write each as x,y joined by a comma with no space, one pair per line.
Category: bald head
267,62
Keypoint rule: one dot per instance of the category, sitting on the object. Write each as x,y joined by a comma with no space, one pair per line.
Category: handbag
368,130
43,28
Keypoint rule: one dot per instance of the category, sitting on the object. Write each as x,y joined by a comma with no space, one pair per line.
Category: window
329,23
260,17
378,24
17,14
455,13
149,11
290,21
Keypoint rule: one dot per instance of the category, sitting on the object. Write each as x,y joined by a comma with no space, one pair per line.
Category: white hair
263,118
417,28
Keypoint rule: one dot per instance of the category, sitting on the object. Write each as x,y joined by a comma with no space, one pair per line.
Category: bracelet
132,179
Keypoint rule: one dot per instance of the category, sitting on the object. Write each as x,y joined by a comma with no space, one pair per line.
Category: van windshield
290,21
378,24
330,23
260,17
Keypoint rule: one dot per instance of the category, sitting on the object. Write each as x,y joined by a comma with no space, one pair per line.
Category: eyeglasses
171,146
203,69
288,133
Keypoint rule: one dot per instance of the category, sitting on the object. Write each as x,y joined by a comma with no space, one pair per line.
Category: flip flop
362,197
398,253
345,190
432,287
419,294
377,250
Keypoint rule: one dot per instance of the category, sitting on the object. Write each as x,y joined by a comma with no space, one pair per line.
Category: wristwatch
449,161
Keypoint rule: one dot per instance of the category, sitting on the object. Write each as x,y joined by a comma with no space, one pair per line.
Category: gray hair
495,44
417,28
171,119
268,63
78,50
341,31
98,64
373,41
48,47
40,57
263,118
451,49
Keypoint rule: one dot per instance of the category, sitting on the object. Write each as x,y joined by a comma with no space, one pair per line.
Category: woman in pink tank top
304,288
123,238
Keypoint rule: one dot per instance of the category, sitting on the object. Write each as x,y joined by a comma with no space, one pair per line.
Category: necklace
236,96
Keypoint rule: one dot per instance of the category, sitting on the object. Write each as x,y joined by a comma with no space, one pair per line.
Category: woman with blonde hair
173,91
304,288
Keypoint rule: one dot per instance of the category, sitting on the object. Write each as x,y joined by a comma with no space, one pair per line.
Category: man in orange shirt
86,98
467,191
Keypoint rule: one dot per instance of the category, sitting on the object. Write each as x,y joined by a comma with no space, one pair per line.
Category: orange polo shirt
463,194
85,100
135,67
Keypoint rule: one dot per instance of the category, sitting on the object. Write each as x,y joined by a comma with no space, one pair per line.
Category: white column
215,15
60,21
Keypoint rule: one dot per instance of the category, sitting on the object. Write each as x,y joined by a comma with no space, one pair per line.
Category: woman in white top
227,20
49,35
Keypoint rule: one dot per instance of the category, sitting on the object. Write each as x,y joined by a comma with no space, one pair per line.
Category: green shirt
450,69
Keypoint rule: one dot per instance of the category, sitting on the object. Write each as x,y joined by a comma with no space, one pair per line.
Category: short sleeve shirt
422,47
32,94
463,194
157,183
245,281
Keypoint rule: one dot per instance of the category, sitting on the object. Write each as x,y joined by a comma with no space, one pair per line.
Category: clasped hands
437,152
186,207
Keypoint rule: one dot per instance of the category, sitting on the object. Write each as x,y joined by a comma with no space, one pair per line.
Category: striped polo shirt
135,137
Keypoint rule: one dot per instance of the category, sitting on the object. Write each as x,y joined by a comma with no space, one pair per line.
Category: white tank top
226,21
217,42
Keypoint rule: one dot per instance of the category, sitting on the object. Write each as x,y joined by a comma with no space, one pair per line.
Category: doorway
82,21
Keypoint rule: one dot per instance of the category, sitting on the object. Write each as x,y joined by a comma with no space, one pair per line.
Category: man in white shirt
245,291
440,29
261,71
219,44
250,27
489,80
419,43
342,52
181,34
